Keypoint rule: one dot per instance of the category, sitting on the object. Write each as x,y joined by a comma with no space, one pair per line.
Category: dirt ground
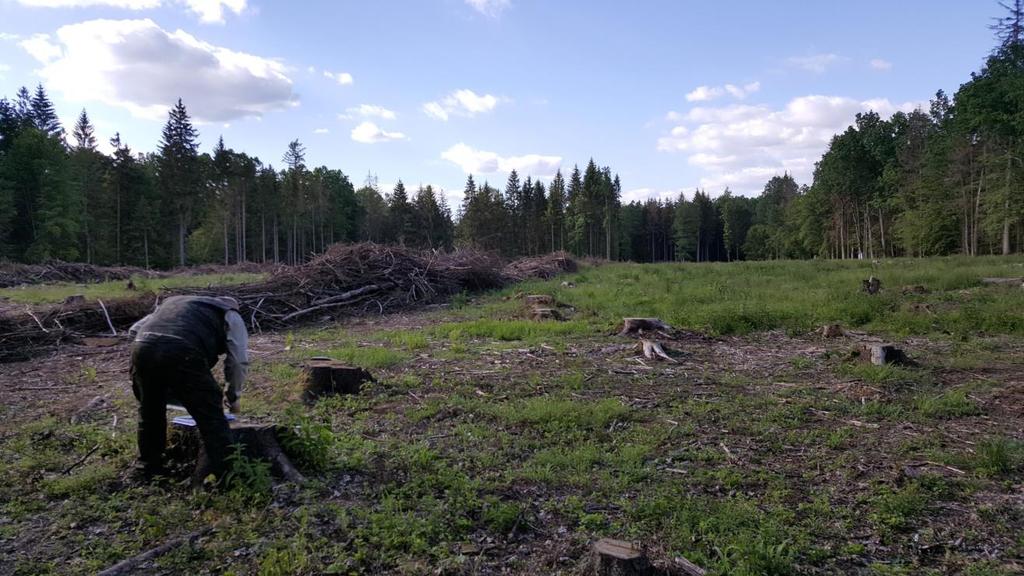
834,466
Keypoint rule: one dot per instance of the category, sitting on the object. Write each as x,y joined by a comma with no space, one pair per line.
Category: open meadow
491,443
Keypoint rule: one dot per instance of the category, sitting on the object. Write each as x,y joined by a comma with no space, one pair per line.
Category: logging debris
346,280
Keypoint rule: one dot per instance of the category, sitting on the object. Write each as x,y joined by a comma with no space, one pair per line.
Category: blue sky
672,95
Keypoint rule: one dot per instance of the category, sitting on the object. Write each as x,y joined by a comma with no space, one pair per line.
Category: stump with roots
881,354
259,442
619,558
872,285
326,377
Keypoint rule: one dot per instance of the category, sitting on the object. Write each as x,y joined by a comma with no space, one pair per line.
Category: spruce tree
84,133
44,116
178,172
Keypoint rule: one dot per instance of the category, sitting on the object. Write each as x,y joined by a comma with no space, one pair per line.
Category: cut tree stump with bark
619,558
326,377
881,354
632,326
538,313
540,300
260,441
872,285
832,331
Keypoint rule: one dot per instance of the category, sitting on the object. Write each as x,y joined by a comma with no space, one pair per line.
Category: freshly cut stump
619,558
259,440
545,314
881,354
540,300
637,325
326,377
654,351
832,331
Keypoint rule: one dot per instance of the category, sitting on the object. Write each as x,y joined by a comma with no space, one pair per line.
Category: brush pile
344,281
56,271
542,267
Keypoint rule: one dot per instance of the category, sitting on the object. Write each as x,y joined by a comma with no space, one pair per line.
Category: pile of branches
543,267
346,280
12,274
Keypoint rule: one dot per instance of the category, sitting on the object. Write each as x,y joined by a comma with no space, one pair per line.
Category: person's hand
235,407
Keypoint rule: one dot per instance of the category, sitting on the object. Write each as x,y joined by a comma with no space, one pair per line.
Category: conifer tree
178,171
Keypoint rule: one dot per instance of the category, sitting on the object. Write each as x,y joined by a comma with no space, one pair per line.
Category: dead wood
832,331
544,314
346,280
325,377
612,557
881,354
1003,281
259,441
539,300
131,565
872,285
638,325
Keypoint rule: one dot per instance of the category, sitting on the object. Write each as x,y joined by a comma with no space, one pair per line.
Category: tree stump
540,300
832,331
545,314
326,377
637,325
74,300
260,441
619,558
881,354
872,285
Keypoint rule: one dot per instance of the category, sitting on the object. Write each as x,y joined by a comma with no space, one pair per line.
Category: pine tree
180,183
85,134
556,212
400,214
1009,29
44,116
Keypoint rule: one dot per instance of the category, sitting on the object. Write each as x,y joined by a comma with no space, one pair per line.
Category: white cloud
709,93
460,103
4,69
208,11
136,65
742,146
817,63
343,78
489,8
8,37
741,92
212,11
703,94
641,194
368,111
370,133
321,131
41,48
473,161
879,64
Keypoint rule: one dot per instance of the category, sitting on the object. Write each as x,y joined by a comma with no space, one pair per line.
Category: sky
673,95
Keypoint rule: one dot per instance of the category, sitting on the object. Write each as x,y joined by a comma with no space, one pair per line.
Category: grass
491,443
56,293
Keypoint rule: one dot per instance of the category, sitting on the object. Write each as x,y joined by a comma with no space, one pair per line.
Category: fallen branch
130,565
113,331
80,460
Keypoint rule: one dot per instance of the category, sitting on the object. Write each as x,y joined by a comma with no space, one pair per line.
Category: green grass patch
951,404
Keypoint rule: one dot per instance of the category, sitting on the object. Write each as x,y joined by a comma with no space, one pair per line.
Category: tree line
945,180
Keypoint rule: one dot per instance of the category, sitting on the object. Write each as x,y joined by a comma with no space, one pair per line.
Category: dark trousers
165,367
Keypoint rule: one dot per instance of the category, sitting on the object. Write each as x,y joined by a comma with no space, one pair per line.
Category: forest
941,181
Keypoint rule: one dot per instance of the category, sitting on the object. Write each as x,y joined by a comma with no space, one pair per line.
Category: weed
951,404
248,479
997,456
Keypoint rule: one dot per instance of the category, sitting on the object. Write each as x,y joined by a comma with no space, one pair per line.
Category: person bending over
172,355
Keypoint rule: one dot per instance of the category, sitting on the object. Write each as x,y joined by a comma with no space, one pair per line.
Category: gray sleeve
236,364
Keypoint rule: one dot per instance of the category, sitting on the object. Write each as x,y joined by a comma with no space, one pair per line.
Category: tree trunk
1006,206
181,240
